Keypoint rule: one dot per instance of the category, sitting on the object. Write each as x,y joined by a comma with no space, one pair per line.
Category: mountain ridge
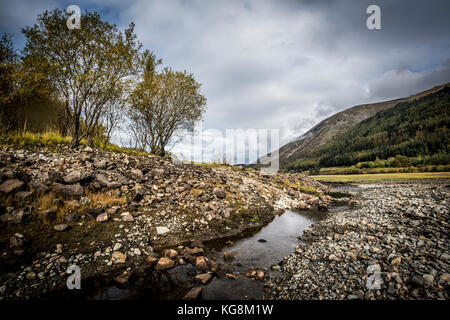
334,126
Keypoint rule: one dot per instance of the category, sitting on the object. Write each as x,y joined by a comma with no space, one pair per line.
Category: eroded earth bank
116,216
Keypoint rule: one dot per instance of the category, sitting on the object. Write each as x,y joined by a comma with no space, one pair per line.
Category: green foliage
88,68
163,104
53,139
408,134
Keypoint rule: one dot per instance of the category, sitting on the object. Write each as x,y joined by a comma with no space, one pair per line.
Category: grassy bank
381,176
54,139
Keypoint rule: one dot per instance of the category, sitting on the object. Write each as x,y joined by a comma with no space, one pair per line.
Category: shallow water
258,251
280,239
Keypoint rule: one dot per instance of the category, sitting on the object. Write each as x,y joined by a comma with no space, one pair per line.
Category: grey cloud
285,64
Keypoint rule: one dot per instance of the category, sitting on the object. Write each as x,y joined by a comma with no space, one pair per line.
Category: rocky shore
113,214
394,245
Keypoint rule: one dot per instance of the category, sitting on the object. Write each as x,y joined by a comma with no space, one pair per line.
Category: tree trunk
76,134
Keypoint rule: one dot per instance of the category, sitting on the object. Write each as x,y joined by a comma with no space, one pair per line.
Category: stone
137,174
428,280
203,278
102,164
276,267
162,230
136,194
11,186
417,281
16,241
61,227
69,191
72,217
231,276
227,256
219,193
23,195
101,179
118,257
201,264
151,260
193,293
126,216
396,261
117,246
102,217
72,177
38,186
260,275
164,263
227,213
156,173
445,277
170,253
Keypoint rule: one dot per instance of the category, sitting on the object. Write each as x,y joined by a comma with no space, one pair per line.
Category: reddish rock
200,263
10,186
204,278
170,253
164,263
228,256
151,260
231,276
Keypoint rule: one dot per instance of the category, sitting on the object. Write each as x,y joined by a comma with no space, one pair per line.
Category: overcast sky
280,64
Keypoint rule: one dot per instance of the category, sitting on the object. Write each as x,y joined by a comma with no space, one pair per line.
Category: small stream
259,251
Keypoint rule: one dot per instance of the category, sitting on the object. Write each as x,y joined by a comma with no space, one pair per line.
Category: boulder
11,186
38,186
136,194
170,253
219,193
200,264
118,257
137,174
151,260
101,179
69,191
126,216
102,217
162,230
227,256
100,164
61,227
164,263
203,278
72,177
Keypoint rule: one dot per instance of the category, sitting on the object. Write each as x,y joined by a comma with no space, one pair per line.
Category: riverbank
379,177
393,245
112,214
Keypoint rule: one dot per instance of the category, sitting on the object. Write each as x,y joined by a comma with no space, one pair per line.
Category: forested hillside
411,129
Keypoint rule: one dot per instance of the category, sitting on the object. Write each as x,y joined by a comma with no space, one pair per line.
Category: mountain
332,128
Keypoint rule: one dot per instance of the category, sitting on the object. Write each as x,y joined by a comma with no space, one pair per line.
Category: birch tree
87,67
164,105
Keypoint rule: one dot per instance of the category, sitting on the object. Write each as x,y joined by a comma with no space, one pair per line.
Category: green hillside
412,129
